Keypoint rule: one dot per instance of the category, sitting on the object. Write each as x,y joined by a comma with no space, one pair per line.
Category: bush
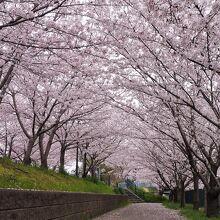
118,190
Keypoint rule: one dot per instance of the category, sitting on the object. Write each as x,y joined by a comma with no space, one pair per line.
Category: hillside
26,177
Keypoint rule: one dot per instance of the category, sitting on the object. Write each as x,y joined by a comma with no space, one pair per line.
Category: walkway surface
142,211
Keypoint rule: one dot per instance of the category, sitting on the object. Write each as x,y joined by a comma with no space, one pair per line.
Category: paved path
142,211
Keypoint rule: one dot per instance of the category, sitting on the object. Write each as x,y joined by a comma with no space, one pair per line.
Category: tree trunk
179,191
77,159
182,195
175,195
171,196
41,148
6,81
195,192
212,203
84,175
10,151
93,172
44,154
44,163
6,143
109,181
62,159
84,166
212,196
27,154
11,142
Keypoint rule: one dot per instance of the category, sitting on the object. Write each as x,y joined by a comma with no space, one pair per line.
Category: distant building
147,185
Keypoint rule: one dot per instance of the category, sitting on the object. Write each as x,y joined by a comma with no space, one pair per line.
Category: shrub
118,190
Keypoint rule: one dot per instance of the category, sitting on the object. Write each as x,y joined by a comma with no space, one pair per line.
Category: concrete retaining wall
41,205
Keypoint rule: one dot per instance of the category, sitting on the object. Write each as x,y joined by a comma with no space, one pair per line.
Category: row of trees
64,63
52,109
47,119
168,66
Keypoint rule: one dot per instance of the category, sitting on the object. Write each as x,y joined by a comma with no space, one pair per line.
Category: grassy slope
26,177
188,212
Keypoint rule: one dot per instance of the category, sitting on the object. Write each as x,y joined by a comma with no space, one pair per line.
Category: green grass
19,176
188,211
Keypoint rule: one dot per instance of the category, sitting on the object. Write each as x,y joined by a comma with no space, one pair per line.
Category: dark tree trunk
27,154
5,82
6,143
171,196
212,204
44,163
44,160
182,195
41,148
62,159
175,195
195,192
109,180
179,191
77,159
212,196
10,151
93,171
44,154
84,166
10,147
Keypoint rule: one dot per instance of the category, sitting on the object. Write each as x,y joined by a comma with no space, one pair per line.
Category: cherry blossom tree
158,61
169,52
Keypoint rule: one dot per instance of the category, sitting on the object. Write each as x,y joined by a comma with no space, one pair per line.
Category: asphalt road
142,211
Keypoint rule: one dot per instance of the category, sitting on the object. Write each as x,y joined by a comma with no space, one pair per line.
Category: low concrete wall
41,205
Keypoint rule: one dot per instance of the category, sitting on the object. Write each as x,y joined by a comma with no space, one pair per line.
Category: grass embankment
19,176
188,211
